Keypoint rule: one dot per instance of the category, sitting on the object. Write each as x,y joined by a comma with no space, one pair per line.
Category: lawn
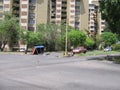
99,52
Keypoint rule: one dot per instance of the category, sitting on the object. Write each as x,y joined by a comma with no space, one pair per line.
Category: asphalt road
54,72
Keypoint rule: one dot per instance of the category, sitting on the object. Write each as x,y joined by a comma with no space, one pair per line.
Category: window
24,5
72,0
59,0
58,5
32,1
1,7
72,5
58,11
31,21
72,11
58,16
1,15
32,15
24,13
23,20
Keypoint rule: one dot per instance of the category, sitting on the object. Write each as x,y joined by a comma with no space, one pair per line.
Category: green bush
89,43
116,47
109,38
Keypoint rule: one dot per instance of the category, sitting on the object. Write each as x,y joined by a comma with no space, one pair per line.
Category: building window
1,7
23,20
77,7
58,21
72,0
6,6
77,23
72,11
24,5
72,22
58,5
72,5
24,27
32,15
58,16
1,15
31,21
32,1
31,28
24,13
59,0
58,11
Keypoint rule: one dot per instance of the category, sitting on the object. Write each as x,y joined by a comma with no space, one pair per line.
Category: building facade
73,12
96,23
33,12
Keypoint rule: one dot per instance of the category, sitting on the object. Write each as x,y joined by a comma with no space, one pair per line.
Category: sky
90,1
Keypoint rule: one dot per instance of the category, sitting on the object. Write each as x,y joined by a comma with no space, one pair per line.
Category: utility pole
66,39
66,34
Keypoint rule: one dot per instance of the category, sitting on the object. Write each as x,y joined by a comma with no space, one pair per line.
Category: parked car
79,50
107,49
22,49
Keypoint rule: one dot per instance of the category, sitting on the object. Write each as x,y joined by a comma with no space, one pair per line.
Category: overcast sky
89,1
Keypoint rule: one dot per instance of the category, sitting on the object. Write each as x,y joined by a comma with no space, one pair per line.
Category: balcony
32,4
31,15
16,5
32,7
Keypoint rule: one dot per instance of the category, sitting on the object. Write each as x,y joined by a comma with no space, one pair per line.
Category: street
55,72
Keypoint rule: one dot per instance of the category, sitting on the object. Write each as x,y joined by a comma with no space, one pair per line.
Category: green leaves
9,32
51,35
110,10
76,38
109,38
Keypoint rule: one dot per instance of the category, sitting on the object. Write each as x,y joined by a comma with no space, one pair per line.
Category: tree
76,38
30,38
89,43
51,35
110,10
9,31
108,38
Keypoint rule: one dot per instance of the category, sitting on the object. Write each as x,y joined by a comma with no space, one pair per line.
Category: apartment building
93,17
1,9
5,5
96,23
73,12
33,12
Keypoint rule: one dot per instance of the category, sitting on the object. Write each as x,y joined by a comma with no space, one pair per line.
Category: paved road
54,72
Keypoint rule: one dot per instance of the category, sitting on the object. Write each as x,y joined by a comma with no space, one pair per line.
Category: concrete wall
84,14
42,12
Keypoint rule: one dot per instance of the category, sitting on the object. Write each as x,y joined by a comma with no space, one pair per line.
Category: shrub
116,47
89,43
109,38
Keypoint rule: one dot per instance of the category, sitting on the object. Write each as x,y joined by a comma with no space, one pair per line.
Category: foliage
31,38
108,38
89,43
9,31
110,10
116,47
51,36
99,42
76,38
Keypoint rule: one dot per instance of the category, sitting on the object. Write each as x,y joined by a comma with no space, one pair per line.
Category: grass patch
97,52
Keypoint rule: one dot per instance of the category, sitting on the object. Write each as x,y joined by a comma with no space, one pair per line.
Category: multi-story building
1,9
74,12
34,12
5,5
96,23
92,18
